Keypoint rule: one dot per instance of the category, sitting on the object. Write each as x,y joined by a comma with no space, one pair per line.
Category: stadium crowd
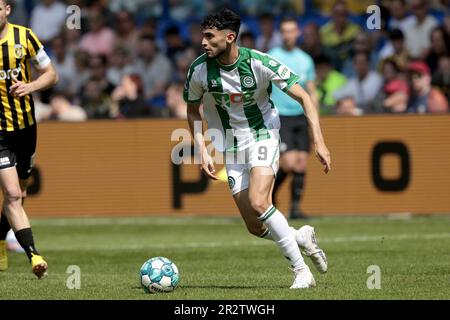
129,59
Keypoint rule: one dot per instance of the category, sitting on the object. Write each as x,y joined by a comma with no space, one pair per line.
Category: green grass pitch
218,259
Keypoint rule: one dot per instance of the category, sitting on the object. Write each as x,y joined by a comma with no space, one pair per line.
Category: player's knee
259,204
301,163
12,195
300,167
287,162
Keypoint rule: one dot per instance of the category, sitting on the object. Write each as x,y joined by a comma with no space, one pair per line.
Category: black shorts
17,148
294,133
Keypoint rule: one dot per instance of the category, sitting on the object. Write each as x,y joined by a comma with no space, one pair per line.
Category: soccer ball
159,274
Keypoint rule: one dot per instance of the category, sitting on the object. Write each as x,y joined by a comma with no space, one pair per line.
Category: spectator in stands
440,46
424,98
270,37
120,65
174,42
259,7
392,77
418,29
175,102
182,9
398,12
149,28
390,70
195,39
18,14
134,6
441,78
72,39
183,61
127,34
362,42
64,63
338,34
154,68
328,80
100,39
98,69
446,23
396,95
247,39
311,43
94,8
128,99
61,109
364,86
440,5
354,6
94,101
346,106
395,49
47,19
82,60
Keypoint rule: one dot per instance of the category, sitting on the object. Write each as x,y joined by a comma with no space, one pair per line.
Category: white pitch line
132,221
235,243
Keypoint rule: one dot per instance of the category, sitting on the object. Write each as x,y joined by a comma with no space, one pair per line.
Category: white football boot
303,278
311,248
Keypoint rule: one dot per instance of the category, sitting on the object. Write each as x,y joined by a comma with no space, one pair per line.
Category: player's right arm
193,96
193,115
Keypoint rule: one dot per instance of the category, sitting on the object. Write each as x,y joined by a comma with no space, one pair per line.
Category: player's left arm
311,83
47,78
312,90
322,153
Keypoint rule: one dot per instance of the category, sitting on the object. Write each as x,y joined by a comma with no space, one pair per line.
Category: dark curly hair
224,19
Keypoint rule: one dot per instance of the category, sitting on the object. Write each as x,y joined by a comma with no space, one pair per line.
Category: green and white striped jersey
236,98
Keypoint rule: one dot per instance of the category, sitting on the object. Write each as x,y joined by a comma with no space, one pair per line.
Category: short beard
219,54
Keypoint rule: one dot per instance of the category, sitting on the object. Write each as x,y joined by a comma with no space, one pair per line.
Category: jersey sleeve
36,51
193,91
279,74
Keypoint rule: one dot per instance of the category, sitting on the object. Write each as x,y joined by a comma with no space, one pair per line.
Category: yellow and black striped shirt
18,47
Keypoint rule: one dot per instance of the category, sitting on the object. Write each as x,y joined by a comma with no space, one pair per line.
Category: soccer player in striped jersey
19,45
234,85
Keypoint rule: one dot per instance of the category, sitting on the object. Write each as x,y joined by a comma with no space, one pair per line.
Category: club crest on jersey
18,51
248,82
231,182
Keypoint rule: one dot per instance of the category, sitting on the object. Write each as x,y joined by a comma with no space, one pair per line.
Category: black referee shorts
294,133
17,148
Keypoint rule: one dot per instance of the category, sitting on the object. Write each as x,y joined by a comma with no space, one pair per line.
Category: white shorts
264,153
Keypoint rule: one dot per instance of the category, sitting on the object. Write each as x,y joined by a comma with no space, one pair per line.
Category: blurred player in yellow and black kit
19,45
